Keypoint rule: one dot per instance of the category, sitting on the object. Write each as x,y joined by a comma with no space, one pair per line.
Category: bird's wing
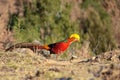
57,48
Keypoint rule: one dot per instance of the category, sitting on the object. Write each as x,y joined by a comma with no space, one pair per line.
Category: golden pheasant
55,48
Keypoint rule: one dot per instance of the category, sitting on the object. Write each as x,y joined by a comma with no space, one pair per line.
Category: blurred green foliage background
49,21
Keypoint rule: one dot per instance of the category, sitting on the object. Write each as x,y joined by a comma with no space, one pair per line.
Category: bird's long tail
31,46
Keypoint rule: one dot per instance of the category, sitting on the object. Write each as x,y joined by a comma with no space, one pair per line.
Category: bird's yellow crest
76,36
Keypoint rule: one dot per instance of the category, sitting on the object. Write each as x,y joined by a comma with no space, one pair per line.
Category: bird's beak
77,40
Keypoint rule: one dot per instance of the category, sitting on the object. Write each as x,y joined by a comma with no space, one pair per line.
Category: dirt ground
31,66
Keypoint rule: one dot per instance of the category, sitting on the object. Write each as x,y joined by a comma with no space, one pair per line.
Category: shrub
45,20
97,27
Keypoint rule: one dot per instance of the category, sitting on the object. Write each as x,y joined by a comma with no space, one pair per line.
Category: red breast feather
58,47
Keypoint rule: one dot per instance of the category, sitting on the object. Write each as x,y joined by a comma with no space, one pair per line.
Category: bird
54,48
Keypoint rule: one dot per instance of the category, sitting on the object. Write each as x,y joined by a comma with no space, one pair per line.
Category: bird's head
74,38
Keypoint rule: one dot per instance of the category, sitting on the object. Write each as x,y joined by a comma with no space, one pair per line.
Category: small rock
38,73
54,69
116,58
64,78
73,57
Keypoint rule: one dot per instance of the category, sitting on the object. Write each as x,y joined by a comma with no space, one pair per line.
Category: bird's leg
54,56
57,56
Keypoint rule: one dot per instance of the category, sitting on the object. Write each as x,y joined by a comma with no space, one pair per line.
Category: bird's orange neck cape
71,40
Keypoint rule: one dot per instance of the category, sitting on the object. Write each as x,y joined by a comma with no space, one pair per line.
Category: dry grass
28,66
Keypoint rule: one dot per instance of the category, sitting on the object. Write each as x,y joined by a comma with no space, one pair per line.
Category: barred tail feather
31,46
